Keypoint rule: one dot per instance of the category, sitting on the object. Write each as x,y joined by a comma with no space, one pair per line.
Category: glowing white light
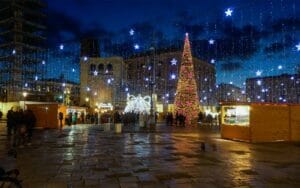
231,82
108,81
173,76
95,93
243,92
211,41
85,58
126,89
138,104
244,83
95,73
258,82
238,99
279,67
131,32
167,95
205,98
88,89
26,85
205,79
64,84
147,79
228,94
280,98
149,68
106,71
73,70
61,47
14,52
212,61
284,100
258,97
43,62
258,73
173,61
298,46
292,78
60,97
36,78
136,46
228,12
186,34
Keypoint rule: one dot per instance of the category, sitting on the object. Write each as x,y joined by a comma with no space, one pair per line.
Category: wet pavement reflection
86,156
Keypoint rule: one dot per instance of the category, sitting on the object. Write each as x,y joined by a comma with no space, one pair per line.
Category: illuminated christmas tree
186,100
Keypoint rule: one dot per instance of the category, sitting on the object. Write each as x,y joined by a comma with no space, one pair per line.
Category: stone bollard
106,127
118,128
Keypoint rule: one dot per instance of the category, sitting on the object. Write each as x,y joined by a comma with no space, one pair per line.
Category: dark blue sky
261,35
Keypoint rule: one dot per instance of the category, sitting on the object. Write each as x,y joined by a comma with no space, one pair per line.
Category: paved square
86,156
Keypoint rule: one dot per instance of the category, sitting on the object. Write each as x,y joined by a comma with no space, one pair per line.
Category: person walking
60,117
19,128
10,121
30,121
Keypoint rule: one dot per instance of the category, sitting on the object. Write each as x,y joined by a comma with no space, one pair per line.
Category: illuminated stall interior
260,122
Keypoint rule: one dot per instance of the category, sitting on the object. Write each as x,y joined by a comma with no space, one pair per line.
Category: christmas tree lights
186,100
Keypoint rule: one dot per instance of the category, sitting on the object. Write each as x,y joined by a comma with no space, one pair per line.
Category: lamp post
87,101
152,83
24,96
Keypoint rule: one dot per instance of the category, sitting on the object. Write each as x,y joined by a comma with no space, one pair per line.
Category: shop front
260,122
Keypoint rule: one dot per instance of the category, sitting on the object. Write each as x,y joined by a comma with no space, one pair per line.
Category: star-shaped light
258,82
131,32
228,12
298,47
95,73
173,61
136,46
173,76
211,41
258,73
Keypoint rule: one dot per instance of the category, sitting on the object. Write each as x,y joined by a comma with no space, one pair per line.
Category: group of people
20,125
179,119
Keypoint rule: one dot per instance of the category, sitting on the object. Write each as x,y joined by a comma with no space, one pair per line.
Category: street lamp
152,84
87,100
24,96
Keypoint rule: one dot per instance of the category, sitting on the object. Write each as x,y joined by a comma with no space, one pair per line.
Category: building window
109,67
92,67
100,67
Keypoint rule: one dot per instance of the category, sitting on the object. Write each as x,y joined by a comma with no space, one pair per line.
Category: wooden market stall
260,122
47,113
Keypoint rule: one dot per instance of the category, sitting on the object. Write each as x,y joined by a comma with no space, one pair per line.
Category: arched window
100,67
109,67
92,67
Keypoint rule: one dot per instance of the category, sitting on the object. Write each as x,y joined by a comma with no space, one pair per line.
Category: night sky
258,39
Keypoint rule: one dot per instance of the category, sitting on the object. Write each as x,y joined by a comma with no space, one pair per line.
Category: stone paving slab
85,156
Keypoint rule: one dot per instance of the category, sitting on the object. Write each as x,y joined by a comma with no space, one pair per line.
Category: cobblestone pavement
85,156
